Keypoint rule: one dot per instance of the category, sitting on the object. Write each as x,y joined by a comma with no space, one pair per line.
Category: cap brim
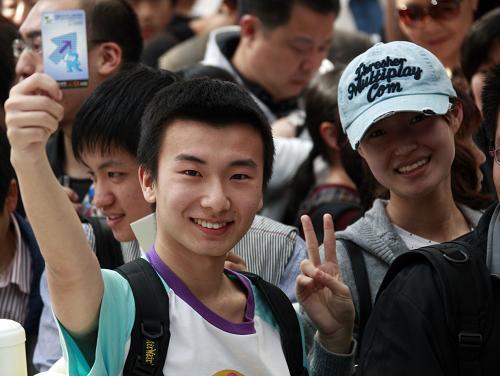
436,103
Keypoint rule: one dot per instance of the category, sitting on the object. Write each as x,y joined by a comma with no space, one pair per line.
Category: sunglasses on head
411,14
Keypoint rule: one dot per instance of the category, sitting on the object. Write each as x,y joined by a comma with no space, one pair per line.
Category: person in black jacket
408,330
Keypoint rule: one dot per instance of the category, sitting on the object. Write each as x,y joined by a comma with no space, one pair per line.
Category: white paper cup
12,350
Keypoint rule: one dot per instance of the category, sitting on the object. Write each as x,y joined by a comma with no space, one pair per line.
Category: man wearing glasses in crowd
114,39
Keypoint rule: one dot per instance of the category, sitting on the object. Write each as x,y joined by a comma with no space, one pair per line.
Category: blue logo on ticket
64,40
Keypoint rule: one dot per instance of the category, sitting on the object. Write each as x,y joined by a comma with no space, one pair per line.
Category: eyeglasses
495,153
34,45
411,14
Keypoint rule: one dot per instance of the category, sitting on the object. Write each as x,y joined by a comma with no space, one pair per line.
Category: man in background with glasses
114,39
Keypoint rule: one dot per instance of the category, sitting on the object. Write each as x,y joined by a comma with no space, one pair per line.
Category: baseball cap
389,78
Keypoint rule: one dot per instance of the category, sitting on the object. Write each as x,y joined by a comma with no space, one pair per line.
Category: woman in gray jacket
401,113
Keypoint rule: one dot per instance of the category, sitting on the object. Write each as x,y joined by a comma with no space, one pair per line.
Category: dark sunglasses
411,14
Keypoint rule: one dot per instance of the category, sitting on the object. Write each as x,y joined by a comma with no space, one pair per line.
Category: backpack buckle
469,340
152,330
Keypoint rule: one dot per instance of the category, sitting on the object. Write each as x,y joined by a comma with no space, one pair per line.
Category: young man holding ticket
112,39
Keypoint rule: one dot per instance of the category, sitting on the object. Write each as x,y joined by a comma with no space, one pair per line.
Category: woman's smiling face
410,153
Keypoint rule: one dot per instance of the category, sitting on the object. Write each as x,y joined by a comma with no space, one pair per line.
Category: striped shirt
130,250
15,281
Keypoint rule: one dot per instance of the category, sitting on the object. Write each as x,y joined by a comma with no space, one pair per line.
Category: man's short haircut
114,21
491,102
6,170
274,13
213,102
109,119
483,34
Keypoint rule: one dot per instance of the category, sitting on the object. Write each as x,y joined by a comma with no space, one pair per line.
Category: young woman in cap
401,113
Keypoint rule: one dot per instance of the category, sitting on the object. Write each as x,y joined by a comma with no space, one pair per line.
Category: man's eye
191,173
113,174
299,49
240,177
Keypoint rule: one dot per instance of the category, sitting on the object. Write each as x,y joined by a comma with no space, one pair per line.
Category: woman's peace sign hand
321,291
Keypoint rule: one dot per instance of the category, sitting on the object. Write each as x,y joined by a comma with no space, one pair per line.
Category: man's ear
249,26
330,134
109,58
12,197
147,185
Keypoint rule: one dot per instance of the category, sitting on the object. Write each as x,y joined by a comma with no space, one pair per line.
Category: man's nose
312,61
27,65
215,198
102,196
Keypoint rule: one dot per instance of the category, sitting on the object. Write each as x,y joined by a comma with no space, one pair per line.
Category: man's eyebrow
33,34
236,163
243,163
110,163
307,40
302,39
189,158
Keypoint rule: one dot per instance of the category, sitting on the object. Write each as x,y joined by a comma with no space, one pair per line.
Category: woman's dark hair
321,106
464,177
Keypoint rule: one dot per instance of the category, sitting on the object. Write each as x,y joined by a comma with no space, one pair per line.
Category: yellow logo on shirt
228,372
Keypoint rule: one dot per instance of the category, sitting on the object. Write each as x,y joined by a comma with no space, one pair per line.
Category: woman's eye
376,133
417,119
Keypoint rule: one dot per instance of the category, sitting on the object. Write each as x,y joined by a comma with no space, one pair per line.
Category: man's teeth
413,166
206,224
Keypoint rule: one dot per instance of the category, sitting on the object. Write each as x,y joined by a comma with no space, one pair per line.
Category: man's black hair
491,102
114,21
8,33
205,71
109,119
6,170
274,13
483,34
213,102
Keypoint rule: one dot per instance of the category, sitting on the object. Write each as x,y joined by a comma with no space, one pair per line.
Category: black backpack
471,302
358,265
151,330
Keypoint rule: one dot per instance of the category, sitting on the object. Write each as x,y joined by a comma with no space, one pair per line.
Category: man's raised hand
32,113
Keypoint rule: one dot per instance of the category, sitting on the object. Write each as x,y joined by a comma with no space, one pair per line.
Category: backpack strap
150,334
463,281
355,253
151,331
288,323
107,249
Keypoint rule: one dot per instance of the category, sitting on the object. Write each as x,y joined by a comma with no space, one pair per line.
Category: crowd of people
287,172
